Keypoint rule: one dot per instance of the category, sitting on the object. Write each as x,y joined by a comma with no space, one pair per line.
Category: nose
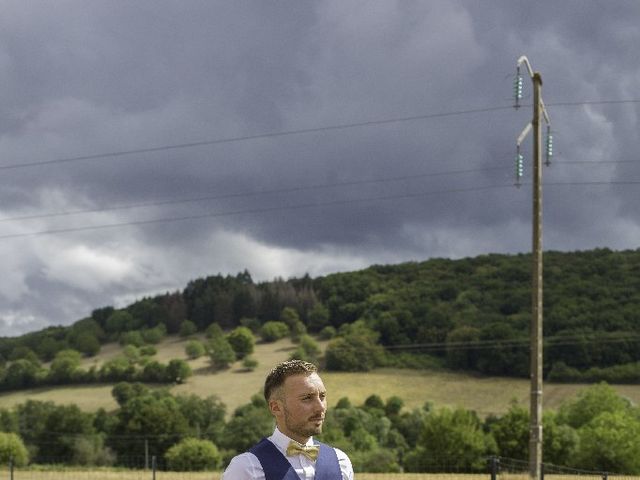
321,404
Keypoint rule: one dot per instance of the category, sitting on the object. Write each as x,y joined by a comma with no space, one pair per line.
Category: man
297,399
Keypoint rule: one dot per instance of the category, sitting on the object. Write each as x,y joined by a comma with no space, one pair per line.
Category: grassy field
106,474
235,386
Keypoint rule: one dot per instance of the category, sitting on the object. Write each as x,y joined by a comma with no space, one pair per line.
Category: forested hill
470,314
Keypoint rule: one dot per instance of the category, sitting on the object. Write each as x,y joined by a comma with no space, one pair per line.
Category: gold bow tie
310,452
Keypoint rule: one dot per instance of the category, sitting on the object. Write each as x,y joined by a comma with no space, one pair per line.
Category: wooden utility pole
535,434
536,337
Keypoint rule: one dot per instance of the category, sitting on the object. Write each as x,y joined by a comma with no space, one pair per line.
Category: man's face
300,408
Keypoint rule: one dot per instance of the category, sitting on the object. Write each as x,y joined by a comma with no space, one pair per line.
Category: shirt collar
281,441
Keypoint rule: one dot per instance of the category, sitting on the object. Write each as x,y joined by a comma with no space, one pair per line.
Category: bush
11,446
220,352
155,334
214,331
194,349
354,353
241,340
90,451
148,350
272,331
249,363
187,328
192,454
133,337
308,350
178,370
327,333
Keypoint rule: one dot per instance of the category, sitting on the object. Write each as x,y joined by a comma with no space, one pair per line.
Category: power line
248,194
176,201
245,138
327,128
296,207
250,211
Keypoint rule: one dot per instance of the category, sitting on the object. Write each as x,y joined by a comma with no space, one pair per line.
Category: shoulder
245,466
345,464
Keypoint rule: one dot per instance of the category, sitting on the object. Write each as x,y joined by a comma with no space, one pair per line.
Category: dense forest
469,314
597,431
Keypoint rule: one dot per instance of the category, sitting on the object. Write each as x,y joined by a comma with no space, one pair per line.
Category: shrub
194,349
327,333
187,328
133,337
221,352
272,331
241,340
192,454
249,363
11,446
155,334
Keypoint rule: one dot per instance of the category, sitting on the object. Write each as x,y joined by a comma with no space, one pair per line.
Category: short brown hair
280,372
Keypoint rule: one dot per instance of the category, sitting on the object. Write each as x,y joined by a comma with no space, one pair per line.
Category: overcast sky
197,93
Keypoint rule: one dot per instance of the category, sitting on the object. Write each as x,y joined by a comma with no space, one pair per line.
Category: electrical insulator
549,145
517,87
519,166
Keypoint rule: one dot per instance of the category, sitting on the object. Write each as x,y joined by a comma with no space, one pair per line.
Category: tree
511,433
133,337
90,450
21,374
86,343
609,442
590,403
154,335
214,331
242,341
248,425
273,330
308,350
318,317
249,363
154,372
13,449
192,454
178,370
356,351
194,349
220,352
156,416
205,416
289,316
120,321
450,439
64,367
187,328
460,351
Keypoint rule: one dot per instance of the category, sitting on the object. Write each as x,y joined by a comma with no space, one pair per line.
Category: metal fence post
153,467
495,466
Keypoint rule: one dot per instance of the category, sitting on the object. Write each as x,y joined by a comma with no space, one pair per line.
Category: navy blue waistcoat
277,467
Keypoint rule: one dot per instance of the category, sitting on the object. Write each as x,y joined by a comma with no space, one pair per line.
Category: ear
275,407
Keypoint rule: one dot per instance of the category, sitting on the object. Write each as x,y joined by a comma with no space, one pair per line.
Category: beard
304,428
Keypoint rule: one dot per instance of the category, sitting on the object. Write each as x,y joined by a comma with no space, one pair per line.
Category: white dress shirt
246,466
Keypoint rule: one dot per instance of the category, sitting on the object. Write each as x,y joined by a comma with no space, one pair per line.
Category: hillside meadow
235,386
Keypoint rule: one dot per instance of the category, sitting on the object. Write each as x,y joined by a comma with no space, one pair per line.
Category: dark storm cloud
87,78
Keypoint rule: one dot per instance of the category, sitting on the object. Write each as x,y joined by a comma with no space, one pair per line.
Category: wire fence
502,468
498,468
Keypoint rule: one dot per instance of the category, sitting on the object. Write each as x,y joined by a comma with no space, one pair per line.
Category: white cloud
84,267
